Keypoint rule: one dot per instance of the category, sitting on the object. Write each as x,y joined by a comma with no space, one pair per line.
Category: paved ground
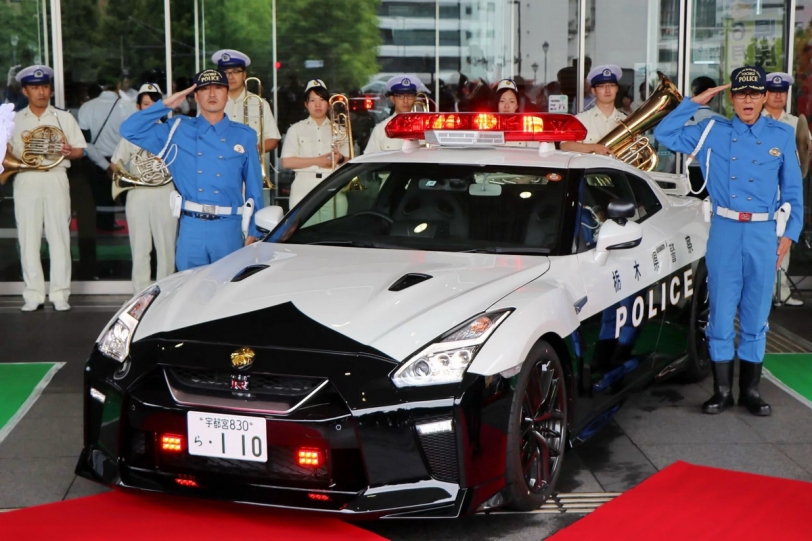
653,430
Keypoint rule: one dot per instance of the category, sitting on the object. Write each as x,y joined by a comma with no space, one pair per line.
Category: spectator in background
125,89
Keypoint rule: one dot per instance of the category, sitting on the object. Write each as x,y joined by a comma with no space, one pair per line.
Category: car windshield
429,206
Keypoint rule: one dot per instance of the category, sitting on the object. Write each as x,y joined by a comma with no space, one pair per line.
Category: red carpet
696,503
126,516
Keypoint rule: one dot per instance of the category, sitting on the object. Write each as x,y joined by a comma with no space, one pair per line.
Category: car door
622,319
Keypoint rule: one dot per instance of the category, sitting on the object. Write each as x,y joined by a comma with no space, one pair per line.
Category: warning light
318,497
542,127
186,481
310,457
368,103
277,65
171,443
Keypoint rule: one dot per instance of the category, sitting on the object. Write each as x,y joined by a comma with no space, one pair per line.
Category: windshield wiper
355,244
518,250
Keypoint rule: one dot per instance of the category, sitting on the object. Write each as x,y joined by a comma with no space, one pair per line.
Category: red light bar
318,497
542,127
186,481
172,443
312,458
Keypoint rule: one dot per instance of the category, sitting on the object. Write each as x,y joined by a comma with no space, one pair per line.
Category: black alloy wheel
537,433
699,362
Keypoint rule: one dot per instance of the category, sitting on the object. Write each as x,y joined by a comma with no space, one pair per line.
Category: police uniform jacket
597,124
802,136
212,161
236,112
744,164
26,120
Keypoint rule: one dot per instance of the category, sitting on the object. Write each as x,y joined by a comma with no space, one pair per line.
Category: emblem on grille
242,358
239,383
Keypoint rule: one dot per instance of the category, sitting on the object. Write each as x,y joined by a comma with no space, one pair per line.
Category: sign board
314,64
558,103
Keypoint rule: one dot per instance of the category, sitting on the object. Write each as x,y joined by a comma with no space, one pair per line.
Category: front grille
209,380
281,465
441,452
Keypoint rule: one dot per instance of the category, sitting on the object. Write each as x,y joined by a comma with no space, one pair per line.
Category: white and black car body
338,327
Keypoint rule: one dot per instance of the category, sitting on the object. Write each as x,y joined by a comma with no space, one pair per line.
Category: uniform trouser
102,196
150,220
304,182
741,261
781,291
201,242
44,198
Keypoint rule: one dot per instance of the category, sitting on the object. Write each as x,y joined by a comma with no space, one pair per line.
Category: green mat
793,370
20,386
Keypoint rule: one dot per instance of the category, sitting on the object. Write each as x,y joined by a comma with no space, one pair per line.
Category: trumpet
39,145
422,104
152,172
256,99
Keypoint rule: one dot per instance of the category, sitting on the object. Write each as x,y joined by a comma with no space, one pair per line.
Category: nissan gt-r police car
424,335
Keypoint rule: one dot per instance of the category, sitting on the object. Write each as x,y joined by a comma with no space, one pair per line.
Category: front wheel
537,431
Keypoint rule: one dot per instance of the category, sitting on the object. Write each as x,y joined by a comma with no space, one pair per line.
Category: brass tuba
627,142
341,130
259,102
152,172
39,145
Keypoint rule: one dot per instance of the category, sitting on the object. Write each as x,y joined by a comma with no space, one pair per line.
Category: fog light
96,394
310,457
436,427
318,497
171,443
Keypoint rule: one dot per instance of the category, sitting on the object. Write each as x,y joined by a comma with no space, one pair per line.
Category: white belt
744,216
210,209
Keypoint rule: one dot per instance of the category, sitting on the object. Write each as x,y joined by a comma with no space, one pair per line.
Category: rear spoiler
672,184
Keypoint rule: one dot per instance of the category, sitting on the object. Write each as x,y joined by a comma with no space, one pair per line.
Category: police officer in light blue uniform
215,158
745,161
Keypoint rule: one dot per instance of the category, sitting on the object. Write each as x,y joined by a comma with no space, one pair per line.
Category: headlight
447,359
115,341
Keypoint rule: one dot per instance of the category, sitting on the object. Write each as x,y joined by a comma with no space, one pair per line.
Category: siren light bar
542,127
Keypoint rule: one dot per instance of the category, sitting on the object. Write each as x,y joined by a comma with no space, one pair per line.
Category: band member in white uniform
233,64
506,100
777,86
402,92
602,118
43,197
308,147
149,216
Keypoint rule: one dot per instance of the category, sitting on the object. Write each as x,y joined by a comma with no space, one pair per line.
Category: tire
699,363
535,449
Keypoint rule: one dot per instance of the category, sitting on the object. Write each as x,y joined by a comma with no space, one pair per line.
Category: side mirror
267,218
620,211
614,235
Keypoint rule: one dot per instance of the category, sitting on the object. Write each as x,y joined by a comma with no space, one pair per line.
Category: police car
425,334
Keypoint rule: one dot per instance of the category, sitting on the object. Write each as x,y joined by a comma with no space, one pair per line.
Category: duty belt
744,216
208,212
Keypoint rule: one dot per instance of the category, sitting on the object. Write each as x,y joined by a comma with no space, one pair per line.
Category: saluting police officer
402,92
43,196
777,85
149,217
602,118
215,157
308,147
234,64
746,161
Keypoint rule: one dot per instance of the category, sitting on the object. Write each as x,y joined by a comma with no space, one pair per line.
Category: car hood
345,289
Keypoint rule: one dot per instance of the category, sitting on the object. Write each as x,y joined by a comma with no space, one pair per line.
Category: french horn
152,172
42,150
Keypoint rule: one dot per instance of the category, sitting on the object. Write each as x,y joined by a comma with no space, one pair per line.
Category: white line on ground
789,390
33,397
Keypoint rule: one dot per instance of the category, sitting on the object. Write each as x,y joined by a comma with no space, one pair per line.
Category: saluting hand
705,97
177,98
783,249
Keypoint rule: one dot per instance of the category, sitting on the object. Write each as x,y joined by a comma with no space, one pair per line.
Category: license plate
227,436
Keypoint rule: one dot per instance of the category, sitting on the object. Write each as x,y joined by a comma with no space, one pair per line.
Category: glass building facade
458,49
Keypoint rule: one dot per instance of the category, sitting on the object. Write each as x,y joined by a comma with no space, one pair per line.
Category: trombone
256,99
422,103
341,130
